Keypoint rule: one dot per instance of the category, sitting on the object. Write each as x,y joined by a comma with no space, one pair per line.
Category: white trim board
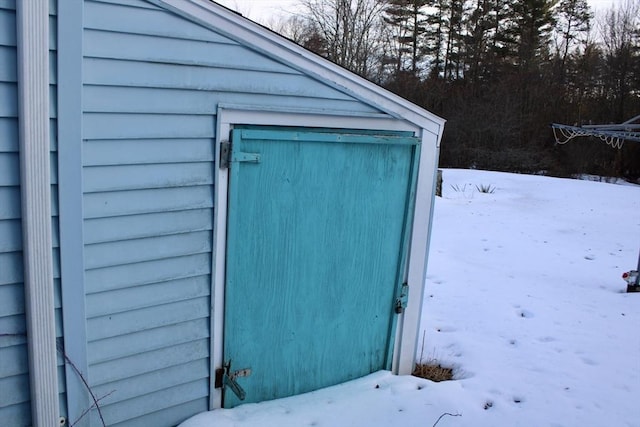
407,331
32,33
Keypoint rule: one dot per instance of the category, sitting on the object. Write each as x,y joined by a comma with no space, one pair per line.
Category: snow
524,299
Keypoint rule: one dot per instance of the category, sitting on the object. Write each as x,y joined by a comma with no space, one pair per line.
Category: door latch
226,378
401,301
228,156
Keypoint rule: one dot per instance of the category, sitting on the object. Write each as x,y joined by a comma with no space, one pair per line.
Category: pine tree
406,19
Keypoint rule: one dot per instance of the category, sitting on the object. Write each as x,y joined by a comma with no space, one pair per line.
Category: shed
196,212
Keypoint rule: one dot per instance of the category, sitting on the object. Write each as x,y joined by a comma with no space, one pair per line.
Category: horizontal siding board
56,263
16,415
14,361
53,135
7,27
57,295
53,27
135,177
108,99
108,45
10,236
14,390
141,385
53,169
145,74
54,201
138,4
11,268
146,318
53,103
61,379
147,151
122,276
139,250
108,17
170,416
9,132
158,400
142,363
100,230
10,169
55,232
53,68
97,205
124,346
125,126
11,301
8,99
58,319
139,297
9,203
15,328
8,64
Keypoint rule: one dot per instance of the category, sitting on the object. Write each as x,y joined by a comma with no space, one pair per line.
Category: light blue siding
14,367
152,85
55,231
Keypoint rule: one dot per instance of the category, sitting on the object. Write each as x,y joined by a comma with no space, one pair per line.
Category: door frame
228,116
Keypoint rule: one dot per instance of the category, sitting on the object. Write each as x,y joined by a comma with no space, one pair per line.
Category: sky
524,299
264,10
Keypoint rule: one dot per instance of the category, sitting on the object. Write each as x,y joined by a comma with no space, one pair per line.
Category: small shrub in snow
434,371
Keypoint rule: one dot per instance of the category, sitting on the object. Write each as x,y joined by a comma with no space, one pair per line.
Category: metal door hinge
401,301
226,378
228,156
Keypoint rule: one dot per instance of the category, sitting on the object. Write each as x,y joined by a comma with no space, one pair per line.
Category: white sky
265,10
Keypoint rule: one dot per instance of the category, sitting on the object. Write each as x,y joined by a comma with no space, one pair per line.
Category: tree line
499,71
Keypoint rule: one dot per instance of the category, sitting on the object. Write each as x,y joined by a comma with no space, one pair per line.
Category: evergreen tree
573,23
407,21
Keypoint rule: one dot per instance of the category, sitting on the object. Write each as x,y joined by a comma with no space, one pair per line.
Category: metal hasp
226,378
401,301
228,156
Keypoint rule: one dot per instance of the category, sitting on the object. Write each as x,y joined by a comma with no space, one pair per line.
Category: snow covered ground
524,299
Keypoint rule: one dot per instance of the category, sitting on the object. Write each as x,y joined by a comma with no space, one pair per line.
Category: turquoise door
316,243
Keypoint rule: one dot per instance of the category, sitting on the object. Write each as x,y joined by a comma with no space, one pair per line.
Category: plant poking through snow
431,369
458,189
434,371
487,189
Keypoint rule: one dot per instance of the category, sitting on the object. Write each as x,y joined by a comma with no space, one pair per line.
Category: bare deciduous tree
350,31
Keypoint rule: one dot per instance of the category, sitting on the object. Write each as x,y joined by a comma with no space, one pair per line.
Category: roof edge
236,27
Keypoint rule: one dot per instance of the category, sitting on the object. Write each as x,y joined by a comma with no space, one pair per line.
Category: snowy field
524,299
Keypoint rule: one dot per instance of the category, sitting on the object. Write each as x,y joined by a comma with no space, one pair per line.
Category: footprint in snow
589,257
518,399
525,314
589,362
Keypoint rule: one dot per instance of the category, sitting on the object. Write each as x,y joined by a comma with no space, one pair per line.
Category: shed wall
152,85
14,369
